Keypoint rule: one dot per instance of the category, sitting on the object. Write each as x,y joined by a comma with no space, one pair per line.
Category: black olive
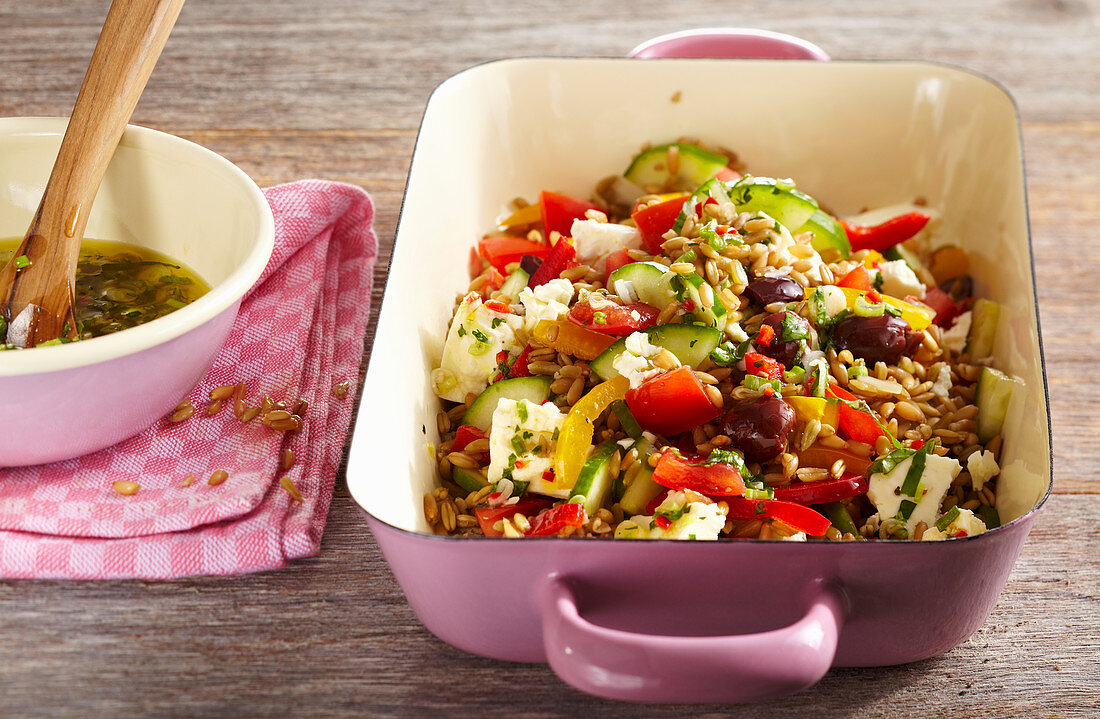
959,288
759,429
530,263
765,290
789,352
876,339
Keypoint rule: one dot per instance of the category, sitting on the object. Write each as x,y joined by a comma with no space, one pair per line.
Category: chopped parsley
792,329
480,336
497,322
461,331
599,318
521,411
518,444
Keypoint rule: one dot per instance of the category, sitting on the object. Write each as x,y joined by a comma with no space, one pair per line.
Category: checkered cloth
299,332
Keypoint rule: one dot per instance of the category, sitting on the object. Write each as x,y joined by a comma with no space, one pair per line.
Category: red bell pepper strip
887,234
763,366
519,367
657,219
715,480
651,507
796,516
831,490
556,260
854,423
614,320
559,211
671,403
765,336
464,435
727,174
488,516
615,260
946,308
501,251
858,279
555,519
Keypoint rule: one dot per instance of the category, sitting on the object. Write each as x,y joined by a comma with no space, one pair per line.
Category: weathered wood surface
335,89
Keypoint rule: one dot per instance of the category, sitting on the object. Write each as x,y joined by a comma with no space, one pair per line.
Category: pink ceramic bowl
161,192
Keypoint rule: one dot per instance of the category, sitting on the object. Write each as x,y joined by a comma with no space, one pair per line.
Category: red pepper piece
615,260
662,521
671,403
617,320
464,435
555,519
796,516
488,516
654,221
857,279
716,480
831,490
519,367
765,336
559,211
556,261
883,236
946,308
854,423
763,366
501,251
497,305
873,297
651,507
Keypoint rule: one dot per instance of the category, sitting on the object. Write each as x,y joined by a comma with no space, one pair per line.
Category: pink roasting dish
669,621
160,192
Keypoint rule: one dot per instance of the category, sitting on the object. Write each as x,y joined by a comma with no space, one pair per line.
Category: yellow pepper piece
575,436
824,410
572,339
524,216
872,257
918,316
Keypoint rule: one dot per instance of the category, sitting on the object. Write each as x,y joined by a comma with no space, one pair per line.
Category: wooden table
335,89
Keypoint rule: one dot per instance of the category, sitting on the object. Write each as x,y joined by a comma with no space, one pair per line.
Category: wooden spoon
36,299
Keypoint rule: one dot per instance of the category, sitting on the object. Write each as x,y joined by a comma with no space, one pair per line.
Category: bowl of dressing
175,239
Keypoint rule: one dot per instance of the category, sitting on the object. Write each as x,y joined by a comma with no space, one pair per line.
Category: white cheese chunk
899,280
954,339
521,444
885,490
476,336
695,520
833,299
966,524
983,467
548,301
940,374
595,240
635,362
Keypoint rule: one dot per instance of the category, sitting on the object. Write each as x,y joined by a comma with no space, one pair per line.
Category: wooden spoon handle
132,38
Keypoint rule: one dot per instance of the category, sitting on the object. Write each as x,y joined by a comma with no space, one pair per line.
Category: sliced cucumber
515,282
992,397
901,252
711,189
828,234
594,481
642,489
777,198
983,329
532,389
468,479
652,282
626,419
690,343
650,167
687,287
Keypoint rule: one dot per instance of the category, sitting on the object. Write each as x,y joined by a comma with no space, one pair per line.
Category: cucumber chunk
650,167
687,288
777,198
595,480
690,343
642,489
711,189
468,479
515,282
828,234
992,397
532,389
652,282
983,329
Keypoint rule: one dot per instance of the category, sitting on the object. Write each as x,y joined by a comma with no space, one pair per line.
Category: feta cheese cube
899,280
634,362
833,299
940,374
966,524
982,467
476,336
521,444
687,520
595,240
954,339
548,301
885,490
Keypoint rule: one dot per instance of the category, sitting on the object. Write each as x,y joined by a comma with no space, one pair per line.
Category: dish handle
618,664
730,42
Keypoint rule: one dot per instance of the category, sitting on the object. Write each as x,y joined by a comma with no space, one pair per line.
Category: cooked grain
340,389
286,459
219,476
183,411
290,488
126,488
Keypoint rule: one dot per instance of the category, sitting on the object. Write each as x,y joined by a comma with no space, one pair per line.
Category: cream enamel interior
161,192
854,135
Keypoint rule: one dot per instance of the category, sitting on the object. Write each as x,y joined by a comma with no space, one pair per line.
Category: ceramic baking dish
696,621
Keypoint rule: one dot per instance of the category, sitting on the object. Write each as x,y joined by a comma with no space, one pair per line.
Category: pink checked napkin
299,332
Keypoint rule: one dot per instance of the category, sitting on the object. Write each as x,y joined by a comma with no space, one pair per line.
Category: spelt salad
699,353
